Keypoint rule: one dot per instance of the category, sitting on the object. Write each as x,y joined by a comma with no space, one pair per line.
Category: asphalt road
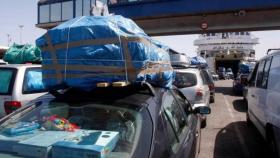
227,134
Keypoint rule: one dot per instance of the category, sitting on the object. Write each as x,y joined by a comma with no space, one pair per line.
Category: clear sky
24,12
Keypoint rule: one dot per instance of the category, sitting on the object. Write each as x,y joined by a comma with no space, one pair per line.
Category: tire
203,123
248,120
212,99
271,144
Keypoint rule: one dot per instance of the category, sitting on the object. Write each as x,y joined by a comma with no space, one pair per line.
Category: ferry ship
227,50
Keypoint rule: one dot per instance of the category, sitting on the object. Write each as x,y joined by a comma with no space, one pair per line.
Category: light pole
9,39
20,33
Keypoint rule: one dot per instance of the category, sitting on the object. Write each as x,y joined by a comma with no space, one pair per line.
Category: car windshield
114,127
183,80
6,80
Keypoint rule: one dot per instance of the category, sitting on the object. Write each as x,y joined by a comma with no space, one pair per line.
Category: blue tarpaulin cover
88,50
198,61
246,67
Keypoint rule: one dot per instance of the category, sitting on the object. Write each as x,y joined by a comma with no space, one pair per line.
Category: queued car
229,73
215,76
19,84
240,83
193,84
141,121
222,73
263,100
210,83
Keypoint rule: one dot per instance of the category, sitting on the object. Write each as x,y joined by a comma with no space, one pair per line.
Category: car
193,84
215,76
210,82
240,83
263,100
19,84
146,121
222,73
229,73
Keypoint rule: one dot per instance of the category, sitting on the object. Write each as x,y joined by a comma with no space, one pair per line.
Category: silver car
19,84
193,85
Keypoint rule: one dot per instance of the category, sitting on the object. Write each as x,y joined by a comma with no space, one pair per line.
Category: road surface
227,134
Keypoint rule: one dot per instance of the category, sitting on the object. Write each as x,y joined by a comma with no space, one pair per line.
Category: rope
121,51
67,47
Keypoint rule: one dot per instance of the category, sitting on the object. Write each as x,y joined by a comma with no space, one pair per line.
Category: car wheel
212,99
248,120
203,123
271,144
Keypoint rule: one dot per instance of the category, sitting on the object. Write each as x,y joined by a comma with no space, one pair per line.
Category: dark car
222,73
150,123
240,83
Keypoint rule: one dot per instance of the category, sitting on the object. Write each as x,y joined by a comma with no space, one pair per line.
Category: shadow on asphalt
224,90
239,105
238,140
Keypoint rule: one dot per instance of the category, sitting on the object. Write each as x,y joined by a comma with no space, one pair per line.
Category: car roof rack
269,50
134,87
182,66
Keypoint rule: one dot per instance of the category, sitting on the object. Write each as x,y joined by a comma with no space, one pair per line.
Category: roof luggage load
88,50
20,54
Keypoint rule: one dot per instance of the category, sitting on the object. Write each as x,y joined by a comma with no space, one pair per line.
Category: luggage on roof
88,50
20,54
198,61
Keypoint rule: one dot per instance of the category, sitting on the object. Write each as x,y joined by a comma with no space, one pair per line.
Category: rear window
6,80
33,81
183,80
120,123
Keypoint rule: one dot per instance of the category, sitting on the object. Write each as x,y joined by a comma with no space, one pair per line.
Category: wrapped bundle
88,50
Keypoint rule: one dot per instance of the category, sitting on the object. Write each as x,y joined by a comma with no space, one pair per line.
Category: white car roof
17,66
190,70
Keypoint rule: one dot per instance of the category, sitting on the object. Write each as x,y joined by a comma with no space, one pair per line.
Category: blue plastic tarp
91,49
198,61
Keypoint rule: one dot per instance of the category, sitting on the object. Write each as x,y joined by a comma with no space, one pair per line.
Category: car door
261,90
193,122
178,131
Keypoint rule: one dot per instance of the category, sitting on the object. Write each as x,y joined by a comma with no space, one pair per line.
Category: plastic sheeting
84,51
198,61
20,54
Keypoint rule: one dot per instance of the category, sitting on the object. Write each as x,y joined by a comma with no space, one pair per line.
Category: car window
6,80
266,72
176,118
183,80
274,82
204,80
33,81
208,77
252,76
260,73
121,121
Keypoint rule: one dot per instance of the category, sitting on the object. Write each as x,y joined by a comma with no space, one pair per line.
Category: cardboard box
87,144
40,145
7,142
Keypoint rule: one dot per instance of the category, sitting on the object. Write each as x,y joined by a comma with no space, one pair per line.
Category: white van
19,84
263,99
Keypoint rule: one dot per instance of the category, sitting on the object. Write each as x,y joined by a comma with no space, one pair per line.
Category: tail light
199,92
11,106
211,87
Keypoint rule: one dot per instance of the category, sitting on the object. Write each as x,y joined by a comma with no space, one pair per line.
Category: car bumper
199,105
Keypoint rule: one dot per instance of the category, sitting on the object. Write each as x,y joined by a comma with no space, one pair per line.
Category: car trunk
7,77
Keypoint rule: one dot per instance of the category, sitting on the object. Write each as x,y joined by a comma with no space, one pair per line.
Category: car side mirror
204,110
